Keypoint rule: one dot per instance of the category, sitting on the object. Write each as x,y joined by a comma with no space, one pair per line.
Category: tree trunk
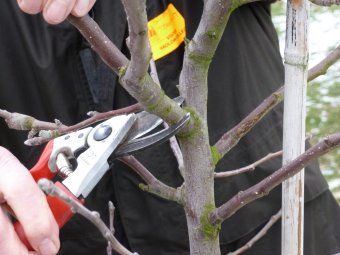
199,166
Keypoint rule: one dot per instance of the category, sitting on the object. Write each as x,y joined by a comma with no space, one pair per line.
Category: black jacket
50,72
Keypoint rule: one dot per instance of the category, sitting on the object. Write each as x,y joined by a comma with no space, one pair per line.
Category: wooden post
296,61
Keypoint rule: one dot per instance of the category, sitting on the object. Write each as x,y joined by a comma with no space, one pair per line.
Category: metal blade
146,122
133,146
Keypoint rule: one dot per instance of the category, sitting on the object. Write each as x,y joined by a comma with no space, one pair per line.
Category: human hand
56,11
29,204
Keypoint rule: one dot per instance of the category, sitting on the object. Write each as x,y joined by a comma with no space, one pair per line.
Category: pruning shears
82,157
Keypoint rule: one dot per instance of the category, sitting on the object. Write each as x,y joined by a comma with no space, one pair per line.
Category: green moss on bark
209,231
215,154
200,59
213,34
196,127
122,71
152,106
278,95
28,123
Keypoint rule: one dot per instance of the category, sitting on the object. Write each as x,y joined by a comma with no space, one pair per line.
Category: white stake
296,61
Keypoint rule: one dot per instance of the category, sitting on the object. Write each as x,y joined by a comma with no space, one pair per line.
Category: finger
56,11
82,7
29,204
30,6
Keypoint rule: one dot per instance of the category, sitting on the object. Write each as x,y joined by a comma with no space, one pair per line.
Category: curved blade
146,122
136,145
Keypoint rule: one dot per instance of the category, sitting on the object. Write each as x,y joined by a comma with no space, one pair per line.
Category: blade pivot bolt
102,132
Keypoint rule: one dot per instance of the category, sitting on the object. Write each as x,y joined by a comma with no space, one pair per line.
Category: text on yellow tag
166,32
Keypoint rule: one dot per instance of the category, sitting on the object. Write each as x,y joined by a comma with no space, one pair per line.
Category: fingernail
56,12
81,7
31,7
47,247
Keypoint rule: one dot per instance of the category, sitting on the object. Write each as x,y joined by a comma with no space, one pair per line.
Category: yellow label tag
166,32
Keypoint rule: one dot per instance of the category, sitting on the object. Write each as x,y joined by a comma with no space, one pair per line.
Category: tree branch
100,43
231,138
49,188
200,51
138,42
145,91
153,186
49,130
21,121
249,167
325,2
322,67
262,188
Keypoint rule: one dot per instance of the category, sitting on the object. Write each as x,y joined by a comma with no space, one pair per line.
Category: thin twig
259,235
111,220
174,145
173,141
249,167
49,188
111,214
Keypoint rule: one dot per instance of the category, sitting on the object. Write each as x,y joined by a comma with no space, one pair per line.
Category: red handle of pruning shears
40,169
60,210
